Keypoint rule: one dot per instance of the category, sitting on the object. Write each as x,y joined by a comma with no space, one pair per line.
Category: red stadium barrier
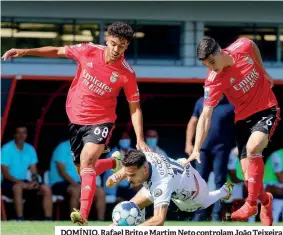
59,92
139,79
8,106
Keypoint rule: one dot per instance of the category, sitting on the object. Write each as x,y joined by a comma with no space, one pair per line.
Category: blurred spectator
216,148
122,191
100,200
65,181
63,175
273,179
151,138
17,158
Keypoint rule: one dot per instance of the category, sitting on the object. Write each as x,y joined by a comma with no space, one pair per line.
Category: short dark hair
134,158
206,47
121,30
20,125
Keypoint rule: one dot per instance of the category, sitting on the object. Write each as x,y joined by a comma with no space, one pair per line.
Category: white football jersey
169,180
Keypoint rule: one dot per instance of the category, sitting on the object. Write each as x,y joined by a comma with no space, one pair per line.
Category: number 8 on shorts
100,133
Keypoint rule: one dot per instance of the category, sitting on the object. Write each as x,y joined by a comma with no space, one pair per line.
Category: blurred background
170,79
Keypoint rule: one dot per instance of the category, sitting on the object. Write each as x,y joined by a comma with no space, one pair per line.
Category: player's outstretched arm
52,52
158,218
203,127
137,120
201,133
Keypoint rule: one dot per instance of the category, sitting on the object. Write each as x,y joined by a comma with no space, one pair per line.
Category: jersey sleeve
161,192
243,45
33,156
213,89
131,88
277,165
76,51
5,156
247,44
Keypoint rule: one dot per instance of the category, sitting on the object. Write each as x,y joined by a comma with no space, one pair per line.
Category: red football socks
263,196
88,188
255,175
103,165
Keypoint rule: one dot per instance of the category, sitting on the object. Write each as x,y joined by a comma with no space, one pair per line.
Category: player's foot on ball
244,212
77,218
266,216
115,179
228,187
118,157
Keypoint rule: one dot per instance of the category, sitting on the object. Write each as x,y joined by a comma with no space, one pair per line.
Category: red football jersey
244,83
92,97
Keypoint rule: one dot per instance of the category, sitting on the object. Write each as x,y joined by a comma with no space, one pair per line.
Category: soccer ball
126,214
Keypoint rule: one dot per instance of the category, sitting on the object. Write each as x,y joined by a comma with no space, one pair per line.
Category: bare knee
45,190
17,189
256,143
253,148
90,153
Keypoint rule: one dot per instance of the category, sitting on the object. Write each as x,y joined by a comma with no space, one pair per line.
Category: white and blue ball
126,214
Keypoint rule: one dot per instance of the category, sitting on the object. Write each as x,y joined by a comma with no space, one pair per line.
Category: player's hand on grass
141,145
189,149
14,53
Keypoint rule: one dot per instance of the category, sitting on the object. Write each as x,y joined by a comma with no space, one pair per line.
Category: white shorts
188,205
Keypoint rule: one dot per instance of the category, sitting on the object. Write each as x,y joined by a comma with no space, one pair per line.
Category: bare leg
74,195
18,199
45,191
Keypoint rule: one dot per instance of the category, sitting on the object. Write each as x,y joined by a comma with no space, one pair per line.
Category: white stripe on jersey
96,45
235,45
127,66
211,76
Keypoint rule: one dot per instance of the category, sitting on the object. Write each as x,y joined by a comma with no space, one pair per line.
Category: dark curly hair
206,47
121,30
134,158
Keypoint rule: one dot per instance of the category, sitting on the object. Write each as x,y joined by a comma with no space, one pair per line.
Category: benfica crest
114,77
232,80
249,60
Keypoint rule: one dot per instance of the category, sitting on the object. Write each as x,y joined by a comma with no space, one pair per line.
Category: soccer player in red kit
238,72
91,103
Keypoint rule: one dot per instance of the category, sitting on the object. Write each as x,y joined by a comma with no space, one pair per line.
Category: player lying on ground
239,74
91,103
163,180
